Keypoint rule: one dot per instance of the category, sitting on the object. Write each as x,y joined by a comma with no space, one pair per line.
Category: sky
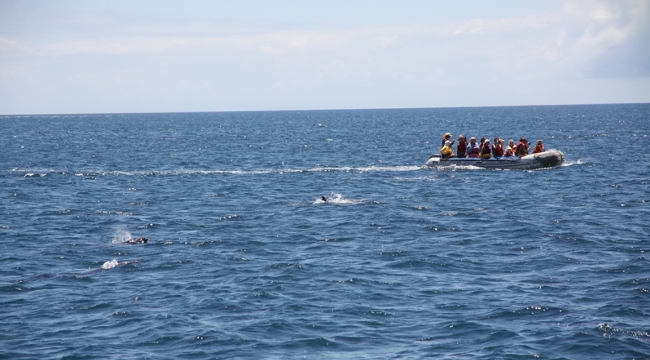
117,56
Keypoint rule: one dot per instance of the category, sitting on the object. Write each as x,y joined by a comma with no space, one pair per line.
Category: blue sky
167,56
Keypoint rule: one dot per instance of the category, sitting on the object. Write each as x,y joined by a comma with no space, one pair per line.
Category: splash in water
338,199
110,264
121,236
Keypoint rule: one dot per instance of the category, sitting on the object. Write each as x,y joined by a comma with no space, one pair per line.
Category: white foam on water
32,171
399,168
338,199
454,167
121,173
417,178
392,168
570,163
110,264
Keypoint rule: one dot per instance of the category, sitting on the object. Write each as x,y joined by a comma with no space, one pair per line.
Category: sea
245,260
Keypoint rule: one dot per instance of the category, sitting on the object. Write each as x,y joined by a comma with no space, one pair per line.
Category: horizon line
337,109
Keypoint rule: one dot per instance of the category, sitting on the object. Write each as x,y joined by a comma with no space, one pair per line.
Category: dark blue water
244,261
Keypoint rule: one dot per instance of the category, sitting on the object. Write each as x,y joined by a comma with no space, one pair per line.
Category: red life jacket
538,149
462,146
521,149
497,151
509,152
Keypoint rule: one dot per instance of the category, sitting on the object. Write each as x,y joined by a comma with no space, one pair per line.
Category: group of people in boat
485,149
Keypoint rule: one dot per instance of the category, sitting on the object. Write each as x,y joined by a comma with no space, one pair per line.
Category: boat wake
571,163
28,172
454,167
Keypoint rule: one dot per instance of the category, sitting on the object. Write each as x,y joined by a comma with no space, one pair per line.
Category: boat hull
545,159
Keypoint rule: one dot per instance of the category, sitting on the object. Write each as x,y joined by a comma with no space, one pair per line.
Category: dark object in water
323,198
135,241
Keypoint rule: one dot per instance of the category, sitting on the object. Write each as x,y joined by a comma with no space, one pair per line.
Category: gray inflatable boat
544,159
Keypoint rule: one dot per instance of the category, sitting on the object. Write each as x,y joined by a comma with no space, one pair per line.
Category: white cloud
563,42
424,64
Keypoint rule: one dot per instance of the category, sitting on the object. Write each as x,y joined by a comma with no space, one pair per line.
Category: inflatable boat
544,159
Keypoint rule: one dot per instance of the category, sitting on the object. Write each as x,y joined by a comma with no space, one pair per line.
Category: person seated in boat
510,150
539,147
482,143
527,145
446,151
461,148
445,138
522,148
495,143
473,150
497,148
485,151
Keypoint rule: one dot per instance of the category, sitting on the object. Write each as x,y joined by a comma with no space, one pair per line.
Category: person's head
447,143
539,142
472,140
447,136
496,139
461,137
511,142
522,140
487,142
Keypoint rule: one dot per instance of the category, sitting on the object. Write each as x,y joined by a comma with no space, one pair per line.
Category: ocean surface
245,261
